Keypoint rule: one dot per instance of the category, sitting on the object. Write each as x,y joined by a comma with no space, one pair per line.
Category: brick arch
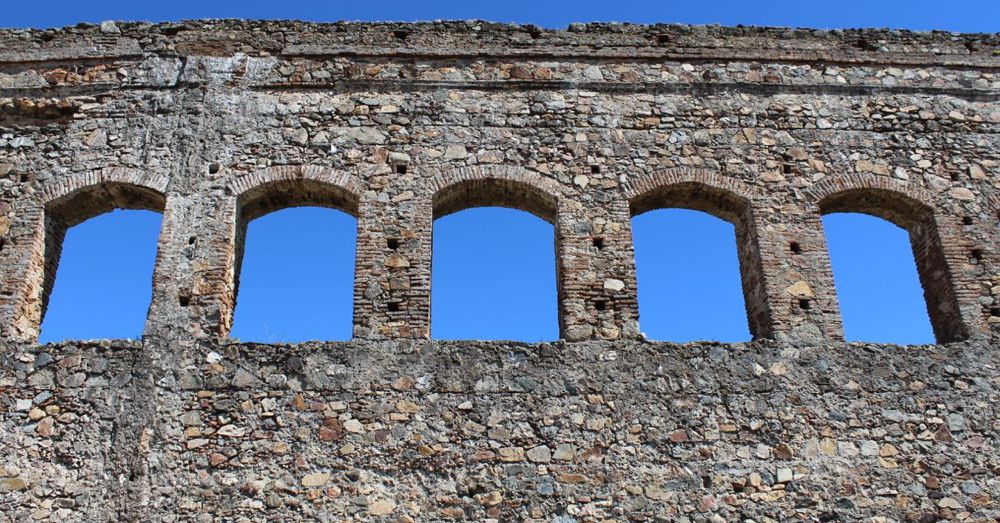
723,197
698,189
937,248
502,186
42,223
272,189
886,198
74,199
286,186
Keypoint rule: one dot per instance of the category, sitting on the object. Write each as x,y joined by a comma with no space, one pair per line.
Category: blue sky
954,15
494,269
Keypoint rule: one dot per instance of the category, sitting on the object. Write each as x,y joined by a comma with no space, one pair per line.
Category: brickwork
215,123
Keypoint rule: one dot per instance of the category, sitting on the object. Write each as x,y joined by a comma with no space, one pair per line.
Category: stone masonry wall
215,123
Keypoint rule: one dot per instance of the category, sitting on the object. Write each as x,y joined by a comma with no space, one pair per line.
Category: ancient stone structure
215,123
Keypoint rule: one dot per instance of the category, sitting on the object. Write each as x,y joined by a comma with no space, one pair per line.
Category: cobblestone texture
215,123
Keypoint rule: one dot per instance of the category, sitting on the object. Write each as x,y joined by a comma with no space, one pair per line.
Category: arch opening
918,221
876,280
688,274
726,206
495,221
494,192
102,286
298,283
101,220
493,276
297,277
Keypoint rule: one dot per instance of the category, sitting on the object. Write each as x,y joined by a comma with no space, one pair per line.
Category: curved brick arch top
936,249
501,186
276,188
61,204
725,198
696,189
74,199
273,189
889,199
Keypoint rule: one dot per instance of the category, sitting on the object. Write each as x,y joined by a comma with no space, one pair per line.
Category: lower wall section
580,432
59,411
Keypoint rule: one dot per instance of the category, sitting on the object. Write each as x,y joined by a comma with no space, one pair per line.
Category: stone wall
216,123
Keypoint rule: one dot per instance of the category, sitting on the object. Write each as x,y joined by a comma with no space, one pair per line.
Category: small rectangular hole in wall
788,168
400,169
393,306
663,39
599,243
977,255
184,300
600,305
954,177
399,34
995,312
966,220
24,177
804,304
213,168
595,169
3,243
392,243
795,248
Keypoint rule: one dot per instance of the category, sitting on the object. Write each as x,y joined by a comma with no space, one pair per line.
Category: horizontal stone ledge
681,88
546,368
72,51
644,54
701,88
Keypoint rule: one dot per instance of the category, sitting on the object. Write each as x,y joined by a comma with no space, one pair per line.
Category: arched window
695,268
876,280
494,269
100,237
493,276
296,255
688,275
103,284
297,277
917,220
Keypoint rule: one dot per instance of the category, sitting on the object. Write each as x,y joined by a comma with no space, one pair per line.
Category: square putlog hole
599,243
600,305
393,306
392,243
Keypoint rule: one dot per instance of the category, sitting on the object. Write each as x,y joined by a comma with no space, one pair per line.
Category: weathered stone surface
216,123
316,479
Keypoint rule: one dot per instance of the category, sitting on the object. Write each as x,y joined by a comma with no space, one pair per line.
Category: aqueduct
216,123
